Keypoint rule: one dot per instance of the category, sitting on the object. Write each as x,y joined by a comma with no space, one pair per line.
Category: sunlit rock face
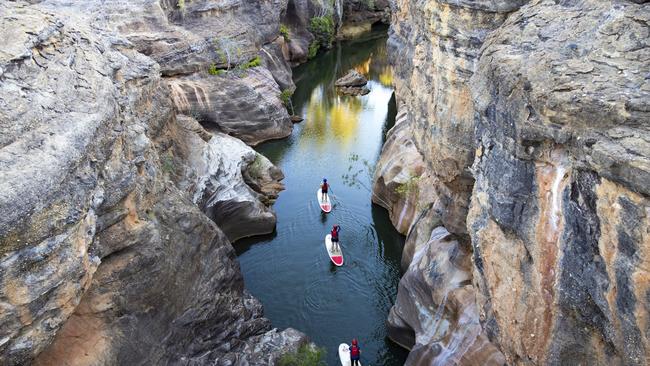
560,212
104,256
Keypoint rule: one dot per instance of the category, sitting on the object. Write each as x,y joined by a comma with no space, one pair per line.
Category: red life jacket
324,187
354,351
335,234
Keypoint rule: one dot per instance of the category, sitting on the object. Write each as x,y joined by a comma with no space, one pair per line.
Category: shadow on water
289,270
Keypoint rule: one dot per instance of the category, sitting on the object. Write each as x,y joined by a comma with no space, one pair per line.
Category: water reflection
290,272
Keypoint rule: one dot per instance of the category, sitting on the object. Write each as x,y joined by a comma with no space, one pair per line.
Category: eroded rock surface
562,168
189,40
104,258
435,314
226,171
550,104
246,105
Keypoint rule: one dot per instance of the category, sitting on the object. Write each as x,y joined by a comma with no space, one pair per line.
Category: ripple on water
290,271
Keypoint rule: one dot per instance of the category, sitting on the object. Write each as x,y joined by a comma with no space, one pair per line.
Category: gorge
495,208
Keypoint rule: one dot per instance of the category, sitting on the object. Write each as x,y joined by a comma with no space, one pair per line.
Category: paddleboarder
355,353
335,237
324,188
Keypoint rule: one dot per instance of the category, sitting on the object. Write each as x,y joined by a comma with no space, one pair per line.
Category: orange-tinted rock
560,209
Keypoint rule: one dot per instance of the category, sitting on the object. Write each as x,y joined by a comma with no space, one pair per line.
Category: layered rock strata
193,41
439,279
549,103
104,256
246,106
560,215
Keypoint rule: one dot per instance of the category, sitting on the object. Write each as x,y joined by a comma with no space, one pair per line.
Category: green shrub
285,97
181,4
409,186
255,169
168,163
214,71
257,61
306,356
323,29
284,31
313,49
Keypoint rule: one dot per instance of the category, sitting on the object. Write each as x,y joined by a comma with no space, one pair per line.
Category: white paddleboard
335,255
344,355
326,206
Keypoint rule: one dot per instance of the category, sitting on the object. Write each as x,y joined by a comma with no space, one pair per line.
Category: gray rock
186,39
266,349
352,78
362,11
548,105
275,61
562,183
104,258
244,104
223,169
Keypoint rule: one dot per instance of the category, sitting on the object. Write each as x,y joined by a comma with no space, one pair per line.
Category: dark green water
290,271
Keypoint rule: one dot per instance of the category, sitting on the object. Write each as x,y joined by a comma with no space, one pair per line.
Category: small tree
323,30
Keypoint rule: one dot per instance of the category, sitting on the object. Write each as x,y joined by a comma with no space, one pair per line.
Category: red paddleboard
336,255
326,206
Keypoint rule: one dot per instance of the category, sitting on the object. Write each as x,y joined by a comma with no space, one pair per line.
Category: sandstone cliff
107,255
523,130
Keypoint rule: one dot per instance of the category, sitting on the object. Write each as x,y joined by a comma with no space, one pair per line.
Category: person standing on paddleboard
324,188
335,237
355,353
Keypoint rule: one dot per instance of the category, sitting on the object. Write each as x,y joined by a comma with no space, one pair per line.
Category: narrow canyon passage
290,271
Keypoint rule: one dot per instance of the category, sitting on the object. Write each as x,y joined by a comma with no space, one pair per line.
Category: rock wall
434,46
107,255
560,210
524,132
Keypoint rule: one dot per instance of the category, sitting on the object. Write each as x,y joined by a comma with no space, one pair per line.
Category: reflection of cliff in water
368,54
315,99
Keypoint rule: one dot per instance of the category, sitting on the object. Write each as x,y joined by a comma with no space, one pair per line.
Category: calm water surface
290,271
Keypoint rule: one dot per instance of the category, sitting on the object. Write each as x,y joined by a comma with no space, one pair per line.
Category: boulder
243,103
352,79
